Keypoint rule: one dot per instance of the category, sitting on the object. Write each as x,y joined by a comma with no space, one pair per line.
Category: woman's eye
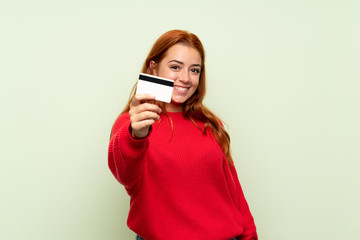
195,70
175,67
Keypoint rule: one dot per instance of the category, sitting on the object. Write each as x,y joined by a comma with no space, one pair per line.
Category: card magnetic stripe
156,80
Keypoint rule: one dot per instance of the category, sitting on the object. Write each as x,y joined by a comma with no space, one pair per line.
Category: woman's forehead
183,53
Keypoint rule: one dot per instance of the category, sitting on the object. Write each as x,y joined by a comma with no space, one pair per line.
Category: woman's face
183,65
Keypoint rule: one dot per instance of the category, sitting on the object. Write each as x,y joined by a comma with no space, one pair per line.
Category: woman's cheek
171,75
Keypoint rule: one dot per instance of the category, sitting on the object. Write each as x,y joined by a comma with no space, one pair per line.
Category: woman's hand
143,113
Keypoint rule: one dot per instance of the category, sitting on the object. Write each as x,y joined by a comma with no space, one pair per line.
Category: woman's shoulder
122,116
120,121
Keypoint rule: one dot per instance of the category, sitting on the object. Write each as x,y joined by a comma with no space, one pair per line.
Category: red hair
193,107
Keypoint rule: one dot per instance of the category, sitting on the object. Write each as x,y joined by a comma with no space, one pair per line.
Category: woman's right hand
143,113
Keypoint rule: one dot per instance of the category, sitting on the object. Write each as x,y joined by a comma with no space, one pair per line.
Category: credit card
161,88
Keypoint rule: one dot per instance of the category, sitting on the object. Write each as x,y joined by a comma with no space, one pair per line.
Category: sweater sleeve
250,228
249,225
125,154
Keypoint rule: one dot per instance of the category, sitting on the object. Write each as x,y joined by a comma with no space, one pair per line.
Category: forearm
249,224
125,156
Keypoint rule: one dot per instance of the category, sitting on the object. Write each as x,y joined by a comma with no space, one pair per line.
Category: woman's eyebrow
179,62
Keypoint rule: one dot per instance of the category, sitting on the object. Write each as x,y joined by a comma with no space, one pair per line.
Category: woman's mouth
181,89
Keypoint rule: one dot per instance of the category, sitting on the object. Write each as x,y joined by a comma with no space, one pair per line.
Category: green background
283,75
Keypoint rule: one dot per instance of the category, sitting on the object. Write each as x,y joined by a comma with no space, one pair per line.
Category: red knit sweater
180,183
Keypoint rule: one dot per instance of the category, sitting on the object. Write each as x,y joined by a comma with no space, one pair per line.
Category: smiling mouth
181,89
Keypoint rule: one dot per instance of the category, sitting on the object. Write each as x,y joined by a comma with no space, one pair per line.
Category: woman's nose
184,76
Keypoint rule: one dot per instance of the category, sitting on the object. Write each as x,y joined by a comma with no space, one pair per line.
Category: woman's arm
125,153
250,228
129,139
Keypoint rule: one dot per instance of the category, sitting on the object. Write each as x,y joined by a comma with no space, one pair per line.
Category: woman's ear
153,67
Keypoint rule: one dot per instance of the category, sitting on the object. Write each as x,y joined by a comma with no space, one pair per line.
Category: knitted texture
180,183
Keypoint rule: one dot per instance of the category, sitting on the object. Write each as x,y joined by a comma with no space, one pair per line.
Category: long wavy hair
193,107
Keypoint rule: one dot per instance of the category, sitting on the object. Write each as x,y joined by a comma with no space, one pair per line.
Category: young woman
174,158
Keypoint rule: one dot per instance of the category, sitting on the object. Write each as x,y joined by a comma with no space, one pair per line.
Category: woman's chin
178,100
174,106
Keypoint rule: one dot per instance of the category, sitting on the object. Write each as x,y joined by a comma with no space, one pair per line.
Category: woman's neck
174,107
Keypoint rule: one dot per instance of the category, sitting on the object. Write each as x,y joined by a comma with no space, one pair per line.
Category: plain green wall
284,76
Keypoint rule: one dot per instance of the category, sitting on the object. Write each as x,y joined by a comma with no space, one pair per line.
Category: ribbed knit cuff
134,143
137,138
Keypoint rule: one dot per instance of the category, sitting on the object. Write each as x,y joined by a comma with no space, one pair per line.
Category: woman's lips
181,89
